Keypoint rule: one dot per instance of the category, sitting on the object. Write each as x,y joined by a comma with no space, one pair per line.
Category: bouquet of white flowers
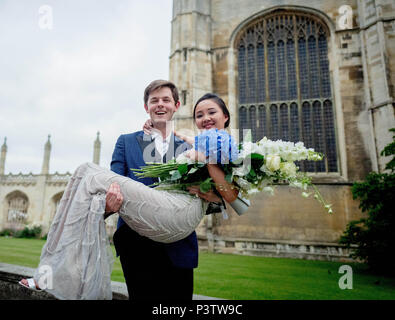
250,167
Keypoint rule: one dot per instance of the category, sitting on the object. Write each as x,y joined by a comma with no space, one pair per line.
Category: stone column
96,150
191,55
47,153
3,156
377,26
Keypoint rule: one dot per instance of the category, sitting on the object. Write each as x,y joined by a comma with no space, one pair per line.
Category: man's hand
114,198
209,196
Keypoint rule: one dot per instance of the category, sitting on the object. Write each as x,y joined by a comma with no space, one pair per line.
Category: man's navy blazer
130,152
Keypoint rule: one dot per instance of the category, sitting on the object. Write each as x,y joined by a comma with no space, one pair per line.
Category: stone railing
18,179
58,178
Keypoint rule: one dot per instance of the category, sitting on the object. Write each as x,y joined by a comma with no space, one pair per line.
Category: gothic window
284,89
18,204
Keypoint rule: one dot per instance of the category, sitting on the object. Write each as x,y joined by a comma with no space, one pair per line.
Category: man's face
161,106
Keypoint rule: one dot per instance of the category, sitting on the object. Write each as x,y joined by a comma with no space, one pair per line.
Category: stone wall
377,34
284,225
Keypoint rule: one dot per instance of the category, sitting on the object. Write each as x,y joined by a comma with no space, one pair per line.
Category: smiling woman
207,112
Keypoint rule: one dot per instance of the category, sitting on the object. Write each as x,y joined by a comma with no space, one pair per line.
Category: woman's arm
226,189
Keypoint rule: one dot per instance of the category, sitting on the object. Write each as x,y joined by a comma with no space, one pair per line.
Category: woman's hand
148,126
187,139
196,155
209,196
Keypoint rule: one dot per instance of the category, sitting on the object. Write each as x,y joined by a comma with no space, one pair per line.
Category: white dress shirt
161,145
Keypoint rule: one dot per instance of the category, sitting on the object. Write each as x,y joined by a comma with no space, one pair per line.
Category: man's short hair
158,84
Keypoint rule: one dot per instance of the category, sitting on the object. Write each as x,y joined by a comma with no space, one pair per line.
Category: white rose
273,162
241,171
288,169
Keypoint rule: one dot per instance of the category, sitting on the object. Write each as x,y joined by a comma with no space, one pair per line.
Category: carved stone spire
96,150
47,154
3,156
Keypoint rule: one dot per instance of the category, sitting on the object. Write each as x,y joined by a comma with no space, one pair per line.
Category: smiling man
152,270
161,102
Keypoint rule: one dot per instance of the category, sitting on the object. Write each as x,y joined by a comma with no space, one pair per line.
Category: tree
375,234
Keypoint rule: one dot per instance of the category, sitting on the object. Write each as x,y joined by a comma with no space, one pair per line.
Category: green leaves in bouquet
182,172
228,177
257,160
175,175
192,170
183,168
257,156
206,185
228,170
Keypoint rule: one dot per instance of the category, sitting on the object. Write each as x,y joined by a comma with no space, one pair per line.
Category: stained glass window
242,75
284,124
252,121
284,88
263,129
243,124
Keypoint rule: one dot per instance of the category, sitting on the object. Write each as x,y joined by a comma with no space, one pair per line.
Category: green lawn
247,278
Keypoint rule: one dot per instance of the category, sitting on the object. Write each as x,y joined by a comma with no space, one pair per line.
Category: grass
238,277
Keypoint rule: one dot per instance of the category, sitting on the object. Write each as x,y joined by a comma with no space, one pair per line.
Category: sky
71,68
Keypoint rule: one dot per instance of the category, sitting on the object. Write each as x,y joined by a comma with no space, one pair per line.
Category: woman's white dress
76,260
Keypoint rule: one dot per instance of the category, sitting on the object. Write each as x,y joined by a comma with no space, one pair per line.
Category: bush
375,235
27,232
7,233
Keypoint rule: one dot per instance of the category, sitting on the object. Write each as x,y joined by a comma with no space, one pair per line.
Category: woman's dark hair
218,101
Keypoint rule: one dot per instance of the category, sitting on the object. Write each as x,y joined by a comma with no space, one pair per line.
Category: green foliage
7,233
206,185
388,151
27,232
375,234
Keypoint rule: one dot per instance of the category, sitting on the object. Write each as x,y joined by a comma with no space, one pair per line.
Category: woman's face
209,115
